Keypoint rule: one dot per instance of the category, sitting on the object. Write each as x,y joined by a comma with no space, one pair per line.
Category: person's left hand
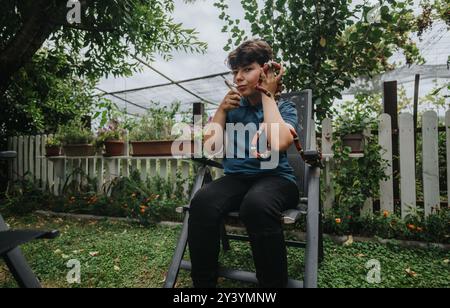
270,80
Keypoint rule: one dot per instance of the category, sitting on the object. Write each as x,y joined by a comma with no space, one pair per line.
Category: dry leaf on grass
410,272
349,241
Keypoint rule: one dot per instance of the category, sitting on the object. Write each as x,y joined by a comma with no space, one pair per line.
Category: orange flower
419,229
143,208
411,227
338,220
92,200
385,213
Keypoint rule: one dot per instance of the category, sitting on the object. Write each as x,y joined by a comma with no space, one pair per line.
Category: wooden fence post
430,161
327,151
31,158
407,163
385,141
44,163
20,157
15,170
447,138
367,208
10,163
38,159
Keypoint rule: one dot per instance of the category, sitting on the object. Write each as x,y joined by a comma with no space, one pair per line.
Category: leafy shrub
435,228
23,196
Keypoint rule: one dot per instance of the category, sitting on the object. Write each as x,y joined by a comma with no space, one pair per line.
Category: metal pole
416,104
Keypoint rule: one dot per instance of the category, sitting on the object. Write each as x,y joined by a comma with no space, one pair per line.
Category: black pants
260,200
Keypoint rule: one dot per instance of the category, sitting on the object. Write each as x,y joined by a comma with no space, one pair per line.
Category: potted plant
53,147
76,139
152,135
353,118
355,141
111,139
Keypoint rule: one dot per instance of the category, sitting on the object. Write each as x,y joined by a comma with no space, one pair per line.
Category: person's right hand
230,101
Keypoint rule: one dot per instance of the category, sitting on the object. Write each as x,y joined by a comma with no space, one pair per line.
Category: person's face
246,78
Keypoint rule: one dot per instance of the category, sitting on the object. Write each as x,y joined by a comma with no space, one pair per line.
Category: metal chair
309,205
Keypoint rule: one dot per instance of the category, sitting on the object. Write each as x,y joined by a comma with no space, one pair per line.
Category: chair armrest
13,238
182,209
208,162
312,155
313,158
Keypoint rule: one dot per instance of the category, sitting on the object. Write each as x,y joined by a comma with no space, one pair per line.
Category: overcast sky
202,16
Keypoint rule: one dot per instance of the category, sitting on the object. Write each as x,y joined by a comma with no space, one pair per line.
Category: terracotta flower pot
355,142
79,150
160,148
114,148
52,150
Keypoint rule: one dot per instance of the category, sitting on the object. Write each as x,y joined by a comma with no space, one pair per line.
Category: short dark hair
249,52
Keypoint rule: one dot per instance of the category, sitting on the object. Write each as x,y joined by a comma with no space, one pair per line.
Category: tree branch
34,32
81,27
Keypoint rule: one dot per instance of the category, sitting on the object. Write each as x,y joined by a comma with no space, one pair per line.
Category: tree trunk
35,30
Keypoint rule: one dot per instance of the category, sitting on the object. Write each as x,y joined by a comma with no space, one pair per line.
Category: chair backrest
303,102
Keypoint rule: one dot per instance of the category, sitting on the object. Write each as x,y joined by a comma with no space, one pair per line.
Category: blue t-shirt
243,162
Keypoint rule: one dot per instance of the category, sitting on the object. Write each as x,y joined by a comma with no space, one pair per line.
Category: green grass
117,254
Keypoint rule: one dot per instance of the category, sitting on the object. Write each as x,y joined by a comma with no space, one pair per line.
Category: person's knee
254,209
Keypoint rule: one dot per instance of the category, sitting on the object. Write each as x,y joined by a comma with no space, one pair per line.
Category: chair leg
20,269
203,176
18,265
172,273
225,240
312,228
321,216
321,249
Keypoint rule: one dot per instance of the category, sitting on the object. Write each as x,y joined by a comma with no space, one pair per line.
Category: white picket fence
407,159
52,173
